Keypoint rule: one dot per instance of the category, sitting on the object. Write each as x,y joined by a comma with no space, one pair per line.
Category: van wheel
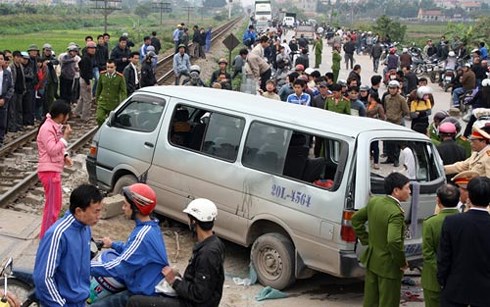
272,256
123,182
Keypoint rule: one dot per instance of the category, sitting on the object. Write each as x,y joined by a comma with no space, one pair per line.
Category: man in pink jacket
51,143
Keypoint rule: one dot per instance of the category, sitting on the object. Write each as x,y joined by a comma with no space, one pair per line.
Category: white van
288,21
254,157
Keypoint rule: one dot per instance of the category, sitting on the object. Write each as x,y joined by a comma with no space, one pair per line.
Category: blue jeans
95,80
456,93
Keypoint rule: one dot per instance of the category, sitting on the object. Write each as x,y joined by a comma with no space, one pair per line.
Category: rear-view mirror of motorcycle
6,269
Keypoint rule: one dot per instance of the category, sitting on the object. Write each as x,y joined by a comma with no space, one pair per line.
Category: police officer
384,257
202,283
479,160
447,201
111,90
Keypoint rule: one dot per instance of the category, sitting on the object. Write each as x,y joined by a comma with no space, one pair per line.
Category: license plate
448,78
413,250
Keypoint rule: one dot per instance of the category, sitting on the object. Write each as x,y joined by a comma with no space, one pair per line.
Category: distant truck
289,20
307,30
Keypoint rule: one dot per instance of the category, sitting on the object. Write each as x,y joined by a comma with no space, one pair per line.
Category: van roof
297,115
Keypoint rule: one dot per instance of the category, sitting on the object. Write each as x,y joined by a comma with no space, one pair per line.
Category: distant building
430,15
470,6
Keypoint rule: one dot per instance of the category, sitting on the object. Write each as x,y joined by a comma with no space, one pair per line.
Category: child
270,86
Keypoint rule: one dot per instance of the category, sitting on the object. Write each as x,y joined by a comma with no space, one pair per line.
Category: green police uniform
318,52
111,90
431,233
342,106
384,256
336,58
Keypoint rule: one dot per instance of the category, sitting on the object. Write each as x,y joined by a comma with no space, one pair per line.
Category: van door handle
149,144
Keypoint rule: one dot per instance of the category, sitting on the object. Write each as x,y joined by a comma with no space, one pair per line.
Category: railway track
164,68
18,158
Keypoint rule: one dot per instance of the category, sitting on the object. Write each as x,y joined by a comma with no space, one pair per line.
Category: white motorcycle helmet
195,68
451,54
423,90
394,83
202,210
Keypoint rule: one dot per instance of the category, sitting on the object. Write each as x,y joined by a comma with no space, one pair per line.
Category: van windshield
295,154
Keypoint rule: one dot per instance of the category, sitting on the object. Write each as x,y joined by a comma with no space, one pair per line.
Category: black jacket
7,87
86,66
463,260
155,42
130,78
101,56
117,55
303,60
147,75
202,284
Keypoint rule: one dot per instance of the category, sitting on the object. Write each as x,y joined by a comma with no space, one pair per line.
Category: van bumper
349,265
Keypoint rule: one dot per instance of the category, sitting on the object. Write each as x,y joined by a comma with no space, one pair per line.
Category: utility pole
163,7
229,9
107,7
188,9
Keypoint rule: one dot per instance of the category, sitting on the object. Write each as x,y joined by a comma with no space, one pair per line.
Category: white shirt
409,162
136,79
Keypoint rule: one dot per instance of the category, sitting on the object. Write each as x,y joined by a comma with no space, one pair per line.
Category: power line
188,9
107,7
163,7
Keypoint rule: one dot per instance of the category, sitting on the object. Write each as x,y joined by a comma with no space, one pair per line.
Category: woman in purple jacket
51,143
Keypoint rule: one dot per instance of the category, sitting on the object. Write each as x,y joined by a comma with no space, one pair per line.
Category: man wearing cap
463,266
447,199
448,149
14,116
52,78
461,180
147,71
318,48
176,36
181,64
69,71
222,70
468,82
30,73
130,73
479,160
111,90
86,65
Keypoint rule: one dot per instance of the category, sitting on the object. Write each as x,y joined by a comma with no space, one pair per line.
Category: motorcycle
447,79
20,282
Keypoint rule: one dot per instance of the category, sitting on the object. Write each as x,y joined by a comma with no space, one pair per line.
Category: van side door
128,139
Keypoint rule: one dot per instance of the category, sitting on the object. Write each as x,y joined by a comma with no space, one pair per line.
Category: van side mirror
111,119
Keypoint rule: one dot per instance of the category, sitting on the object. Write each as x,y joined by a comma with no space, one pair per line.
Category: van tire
272,256
122,182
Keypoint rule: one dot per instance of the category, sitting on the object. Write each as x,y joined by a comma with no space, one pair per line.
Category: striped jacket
140,260
62,267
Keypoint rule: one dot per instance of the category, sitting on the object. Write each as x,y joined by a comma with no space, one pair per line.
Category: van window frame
342,163
197,110
143,99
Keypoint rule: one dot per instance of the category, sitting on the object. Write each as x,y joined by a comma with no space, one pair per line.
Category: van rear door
426,172
128,138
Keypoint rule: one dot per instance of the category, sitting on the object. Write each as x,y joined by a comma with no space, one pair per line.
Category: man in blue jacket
62,268
142,256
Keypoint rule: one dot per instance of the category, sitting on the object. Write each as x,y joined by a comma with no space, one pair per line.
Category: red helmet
141,196
392,50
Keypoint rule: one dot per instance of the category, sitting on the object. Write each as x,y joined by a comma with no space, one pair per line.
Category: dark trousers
66,86
14,118
3,121
264,77
349,58
375,151
447,303
154,301
392,151
28,102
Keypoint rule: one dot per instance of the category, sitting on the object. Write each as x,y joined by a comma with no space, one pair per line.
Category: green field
59,36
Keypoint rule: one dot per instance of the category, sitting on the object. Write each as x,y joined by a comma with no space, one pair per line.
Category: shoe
376,166
396,164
